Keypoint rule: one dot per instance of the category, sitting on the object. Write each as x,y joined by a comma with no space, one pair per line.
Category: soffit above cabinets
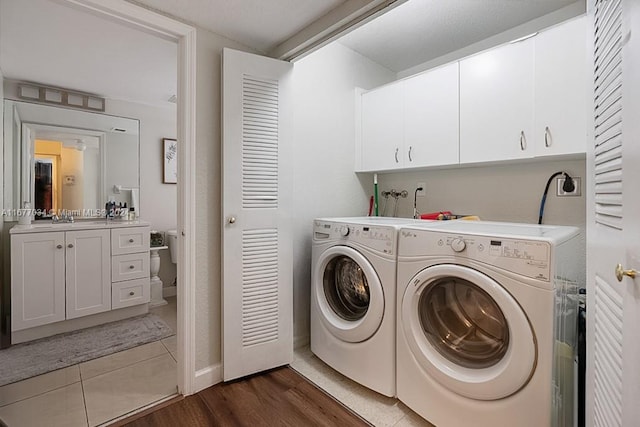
419,31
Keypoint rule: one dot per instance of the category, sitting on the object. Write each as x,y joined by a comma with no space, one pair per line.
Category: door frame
185,37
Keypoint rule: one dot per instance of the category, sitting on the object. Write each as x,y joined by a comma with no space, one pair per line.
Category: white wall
324,135
158,201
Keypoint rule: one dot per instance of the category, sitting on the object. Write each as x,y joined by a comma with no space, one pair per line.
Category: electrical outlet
423,192
561,193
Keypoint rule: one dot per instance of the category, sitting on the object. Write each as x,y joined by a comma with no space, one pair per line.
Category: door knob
232,220
70,245
59,246
621,272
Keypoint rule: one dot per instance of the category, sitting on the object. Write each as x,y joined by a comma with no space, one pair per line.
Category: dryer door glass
463,323
346,288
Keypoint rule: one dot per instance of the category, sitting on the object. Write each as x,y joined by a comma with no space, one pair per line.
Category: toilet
172,242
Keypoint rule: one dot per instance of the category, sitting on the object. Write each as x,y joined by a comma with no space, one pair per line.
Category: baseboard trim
211,375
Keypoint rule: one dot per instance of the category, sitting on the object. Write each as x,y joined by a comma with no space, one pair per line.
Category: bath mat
26,360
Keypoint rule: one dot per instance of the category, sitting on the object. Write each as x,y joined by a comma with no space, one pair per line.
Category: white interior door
613,347
257,276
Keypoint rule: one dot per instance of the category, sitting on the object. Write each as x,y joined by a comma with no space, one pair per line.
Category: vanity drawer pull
132,267
132,293
131,240
70,245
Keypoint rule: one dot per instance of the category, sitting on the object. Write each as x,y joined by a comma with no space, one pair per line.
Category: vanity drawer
130,266
131,292
128,240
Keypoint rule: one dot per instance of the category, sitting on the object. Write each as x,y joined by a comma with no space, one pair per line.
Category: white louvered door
613,218
257,188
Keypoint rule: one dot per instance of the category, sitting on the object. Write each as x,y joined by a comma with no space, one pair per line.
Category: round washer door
467,332
348,294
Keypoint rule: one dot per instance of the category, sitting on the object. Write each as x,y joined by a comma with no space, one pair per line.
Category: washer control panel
378,238
529,258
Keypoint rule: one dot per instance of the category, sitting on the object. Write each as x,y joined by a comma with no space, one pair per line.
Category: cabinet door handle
397,155
523,141
410,159
70,245
132,293
547,137
59,246
132,267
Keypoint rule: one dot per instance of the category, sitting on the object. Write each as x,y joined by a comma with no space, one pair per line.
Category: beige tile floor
94,392
379,410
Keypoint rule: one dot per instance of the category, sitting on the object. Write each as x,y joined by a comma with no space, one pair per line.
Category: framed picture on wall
170,162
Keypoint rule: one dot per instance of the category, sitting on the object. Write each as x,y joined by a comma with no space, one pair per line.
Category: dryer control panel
530,258
382,239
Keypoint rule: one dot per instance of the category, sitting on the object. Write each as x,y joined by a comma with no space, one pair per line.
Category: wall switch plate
577,192
422,192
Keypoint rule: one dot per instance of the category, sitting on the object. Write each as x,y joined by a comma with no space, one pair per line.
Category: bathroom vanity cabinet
61,272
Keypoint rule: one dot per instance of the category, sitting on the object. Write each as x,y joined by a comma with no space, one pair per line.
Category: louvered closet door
257,232
613,163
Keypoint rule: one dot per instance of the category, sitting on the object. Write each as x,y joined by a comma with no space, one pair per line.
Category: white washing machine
487,323
353,292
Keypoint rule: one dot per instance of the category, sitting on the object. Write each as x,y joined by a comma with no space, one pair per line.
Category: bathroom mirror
63,159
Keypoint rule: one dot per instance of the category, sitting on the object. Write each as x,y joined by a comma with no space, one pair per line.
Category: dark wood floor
280,397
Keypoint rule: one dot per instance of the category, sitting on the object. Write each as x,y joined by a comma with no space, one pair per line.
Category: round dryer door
468,332
348,294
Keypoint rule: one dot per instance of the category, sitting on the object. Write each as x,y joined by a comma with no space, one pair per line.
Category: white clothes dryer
486,329
353,292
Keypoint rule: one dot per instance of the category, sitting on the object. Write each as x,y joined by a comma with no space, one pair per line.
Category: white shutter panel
607,305
257,288
608,113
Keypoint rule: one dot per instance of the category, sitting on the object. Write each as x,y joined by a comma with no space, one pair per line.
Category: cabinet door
560,98
382,123
431,127
37,279
496,104
88,262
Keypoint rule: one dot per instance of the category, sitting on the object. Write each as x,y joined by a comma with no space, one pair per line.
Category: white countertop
81,224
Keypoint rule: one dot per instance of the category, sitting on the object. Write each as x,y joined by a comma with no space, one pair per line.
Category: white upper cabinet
496,104
521,100
431,126
382,128
412,123
560,80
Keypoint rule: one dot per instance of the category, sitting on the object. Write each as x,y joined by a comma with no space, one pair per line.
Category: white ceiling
260,24
421,30
50,43
47,42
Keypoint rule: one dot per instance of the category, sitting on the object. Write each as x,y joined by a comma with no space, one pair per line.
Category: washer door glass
347,293
346,288
463,323
467,332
